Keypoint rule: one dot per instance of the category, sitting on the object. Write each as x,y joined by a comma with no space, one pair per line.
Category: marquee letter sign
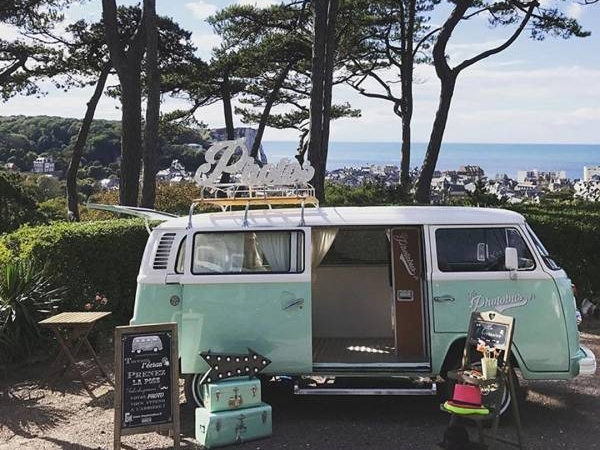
232,157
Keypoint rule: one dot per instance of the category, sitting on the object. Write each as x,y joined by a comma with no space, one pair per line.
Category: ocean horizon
492,158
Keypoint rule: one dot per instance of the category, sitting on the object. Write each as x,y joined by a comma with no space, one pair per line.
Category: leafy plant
26,296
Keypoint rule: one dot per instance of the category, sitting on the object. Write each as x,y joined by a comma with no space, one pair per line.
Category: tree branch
9,70
469,62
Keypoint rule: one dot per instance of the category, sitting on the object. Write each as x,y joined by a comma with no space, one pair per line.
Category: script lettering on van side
405,256
221,159
499,303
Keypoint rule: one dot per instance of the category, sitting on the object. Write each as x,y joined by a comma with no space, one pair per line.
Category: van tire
192,391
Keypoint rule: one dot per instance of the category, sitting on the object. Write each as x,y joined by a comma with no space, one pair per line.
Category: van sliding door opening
354,315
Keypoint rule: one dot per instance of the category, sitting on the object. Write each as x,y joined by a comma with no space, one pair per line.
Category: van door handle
296,302
443,298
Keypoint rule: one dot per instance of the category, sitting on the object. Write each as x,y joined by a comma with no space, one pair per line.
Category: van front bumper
587,362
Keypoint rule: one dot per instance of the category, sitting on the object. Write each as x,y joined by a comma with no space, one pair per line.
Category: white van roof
347,216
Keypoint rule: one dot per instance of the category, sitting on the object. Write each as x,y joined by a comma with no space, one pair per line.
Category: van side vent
161,258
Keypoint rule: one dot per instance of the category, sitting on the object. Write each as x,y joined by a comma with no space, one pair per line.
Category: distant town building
11,166
43,165
587,190
538,175
175,173
109,184
470,171
591,173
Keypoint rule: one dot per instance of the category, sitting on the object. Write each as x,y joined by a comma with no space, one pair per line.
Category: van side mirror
511,259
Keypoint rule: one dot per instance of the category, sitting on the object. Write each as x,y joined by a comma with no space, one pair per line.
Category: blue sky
534,92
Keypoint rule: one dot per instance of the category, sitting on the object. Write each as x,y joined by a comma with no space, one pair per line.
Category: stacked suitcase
233,412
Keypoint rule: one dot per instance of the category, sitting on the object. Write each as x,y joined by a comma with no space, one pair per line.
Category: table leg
98,363
73,363
77,340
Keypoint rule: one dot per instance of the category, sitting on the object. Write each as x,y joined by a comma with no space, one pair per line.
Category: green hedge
571,233
87,258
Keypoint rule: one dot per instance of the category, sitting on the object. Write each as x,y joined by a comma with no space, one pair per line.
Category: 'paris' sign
224,158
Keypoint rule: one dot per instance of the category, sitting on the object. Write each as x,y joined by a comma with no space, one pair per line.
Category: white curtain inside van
322,239
276,248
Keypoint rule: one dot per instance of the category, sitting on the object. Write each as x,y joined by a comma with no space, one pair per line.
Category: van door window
248,252
479,249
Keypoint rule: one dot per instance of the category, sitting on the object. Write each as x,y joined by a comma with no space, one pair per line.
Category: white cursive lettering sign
232,157
499,303
405,256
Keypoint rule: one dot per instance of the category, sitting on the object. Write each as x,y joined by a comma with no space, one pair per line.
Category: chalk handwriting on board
146,379
493,334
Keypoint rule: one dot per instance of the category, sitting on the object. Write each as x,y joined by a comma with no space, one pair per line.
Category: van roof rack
229,195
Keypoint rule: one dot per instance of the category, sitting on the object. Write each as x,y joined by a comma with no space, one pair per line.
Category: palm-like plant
26,296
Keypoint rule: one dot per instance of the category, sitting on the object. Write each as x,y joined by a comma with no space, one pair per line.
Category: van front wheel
192,388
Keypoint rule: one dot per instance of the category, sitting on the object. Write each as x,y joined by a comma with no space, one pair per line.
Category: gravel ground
556,415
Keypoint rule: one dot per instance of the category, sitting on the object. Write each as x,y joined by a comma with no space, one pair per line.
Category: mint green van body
324,296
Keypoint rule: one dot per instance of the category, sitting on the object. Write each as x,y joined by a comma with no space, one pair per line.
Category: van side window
180,256
248,252
479,249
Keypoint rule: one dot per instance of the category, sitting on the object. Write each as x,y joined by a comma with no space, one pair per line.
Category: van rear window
479,249
248,252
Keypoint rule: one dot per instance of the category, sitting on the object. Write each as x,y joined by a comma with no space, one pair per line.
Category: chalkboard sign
493,334
147,388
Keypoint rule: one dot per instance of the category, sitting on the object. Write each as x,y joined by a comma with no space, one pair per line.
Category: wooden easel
496,331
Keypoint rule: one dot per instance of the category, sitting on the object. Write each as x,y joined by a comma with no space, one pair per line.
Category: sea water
492,158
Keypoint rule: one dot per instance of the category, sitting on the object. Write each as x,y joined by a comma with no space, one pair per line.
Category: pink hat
467,395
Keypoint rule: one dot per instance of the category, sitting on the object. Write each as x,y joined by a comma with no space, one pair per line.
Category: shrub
26,296
87,258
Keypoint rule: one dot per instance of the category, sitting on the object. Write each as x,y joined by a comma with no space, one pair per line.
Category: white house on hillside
43,165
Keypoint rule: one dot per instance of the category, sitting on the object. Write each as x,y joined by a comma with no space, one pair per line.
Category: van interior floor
354,350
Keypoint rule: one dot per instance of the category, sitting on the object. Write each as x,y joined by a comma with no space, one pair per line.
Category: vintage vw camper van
362,292
350,293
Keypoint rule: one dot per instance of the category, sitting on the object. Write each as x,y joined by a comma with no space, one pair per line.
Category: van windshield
548,261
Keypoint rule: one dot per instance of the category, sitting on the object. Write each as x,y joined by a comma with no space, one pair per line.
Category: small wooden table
75,326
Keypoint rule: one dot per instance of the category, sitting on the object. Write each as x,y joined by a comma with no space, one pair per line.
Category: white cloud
8,32
201,9
575,11
205,42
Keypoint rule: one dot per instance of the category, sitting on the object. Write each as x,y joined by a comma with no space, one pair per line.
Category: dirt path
556,415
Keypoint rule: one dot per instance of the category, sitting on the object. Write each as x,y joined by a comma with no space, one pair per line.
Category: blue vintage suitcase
231,394
233,427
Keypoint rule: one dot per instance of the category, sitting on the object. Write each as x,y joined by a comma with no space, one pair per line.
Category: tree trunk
227,110
423,193
406,103
131,138
72,203
128,67
328,79
267,110
316,98
152,107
